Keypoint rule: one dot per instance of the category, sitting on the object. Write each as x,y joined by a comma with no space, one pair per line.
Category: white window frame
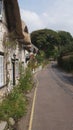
1,70
1,6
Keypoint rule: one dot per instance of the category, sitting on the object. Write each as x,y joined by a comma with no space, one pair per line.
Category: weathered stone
11,121
3,125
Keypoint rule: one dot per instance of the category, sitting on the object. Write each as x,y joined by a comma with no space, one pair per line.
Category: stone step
3,125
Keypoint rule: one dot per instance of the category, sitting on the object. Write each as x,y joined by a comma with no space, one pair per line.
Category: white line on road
33,105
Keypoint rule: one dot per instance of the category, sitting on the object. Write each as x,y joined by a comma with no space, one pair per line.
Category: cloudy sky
51,14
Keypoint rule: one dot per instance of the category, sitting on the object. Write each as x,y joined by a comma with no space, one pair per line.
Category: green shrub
33,64
66,63
14,106
40,57
26,81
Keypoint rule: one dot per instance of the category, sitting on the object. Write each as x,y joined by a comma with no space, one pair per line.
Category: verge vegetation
15,103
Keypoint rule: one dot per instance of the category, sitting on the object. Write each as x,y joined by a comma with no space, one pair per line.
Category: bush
40,57
33,64
15,104
66,63
26,81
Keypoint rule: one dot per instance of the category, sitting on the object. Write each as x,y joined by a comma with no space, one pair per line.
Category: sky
52,14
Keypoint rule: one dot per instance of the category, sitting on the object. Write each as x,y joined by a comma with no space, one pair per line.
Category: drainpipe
13,63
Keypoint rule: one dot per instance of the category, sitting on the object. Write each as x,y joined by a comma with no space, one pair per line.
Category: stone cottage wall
11,23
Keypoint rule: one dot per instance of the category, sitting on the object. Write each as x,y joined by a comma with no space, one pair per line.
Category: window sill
2,86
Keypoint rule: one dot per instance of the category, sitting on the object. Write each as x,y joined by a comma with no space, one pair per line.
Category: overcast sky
51,14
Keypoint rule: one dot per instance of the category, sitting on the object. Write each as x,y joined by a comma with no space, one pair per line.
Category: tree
65,37
45,40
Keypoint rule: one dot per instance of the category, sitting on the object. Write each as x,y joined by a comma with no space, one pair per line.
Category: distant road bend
53,108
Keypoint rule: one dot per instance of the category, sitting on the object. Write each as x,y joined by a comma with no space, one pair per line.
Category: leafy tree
65,37
45,40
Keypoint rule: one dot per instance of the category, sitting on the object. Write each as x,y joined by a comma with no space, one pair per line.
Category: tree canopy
50,41
65,37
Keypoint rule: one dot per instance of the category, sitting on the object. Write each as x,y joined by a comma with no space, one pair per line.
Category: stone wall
13,34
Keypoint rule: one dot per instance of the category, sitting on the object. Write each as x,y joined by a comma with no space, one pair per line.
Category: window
0,9
27,57
1,71
17,69
26,29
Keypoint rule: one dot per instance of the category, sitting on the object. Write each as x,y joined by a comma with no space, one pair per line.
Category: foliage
32,63
47,40
26,81
65,59
40,57
55,45
44,37
55,53
66,63
65,37
15,104
67,49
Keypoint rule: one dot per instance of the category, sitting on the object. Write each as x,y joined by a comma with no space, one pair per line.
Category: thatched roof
14,22
13,16
26,34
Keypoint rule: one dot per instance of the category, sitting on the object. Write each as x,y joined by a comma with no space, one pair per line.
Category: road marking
33,105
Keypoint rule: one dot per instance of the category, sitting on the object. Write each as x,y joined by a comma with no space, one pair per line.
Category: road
53,106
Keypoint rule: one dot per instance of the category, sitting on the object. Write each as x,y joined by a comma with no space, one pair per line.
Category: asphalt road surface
53,108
